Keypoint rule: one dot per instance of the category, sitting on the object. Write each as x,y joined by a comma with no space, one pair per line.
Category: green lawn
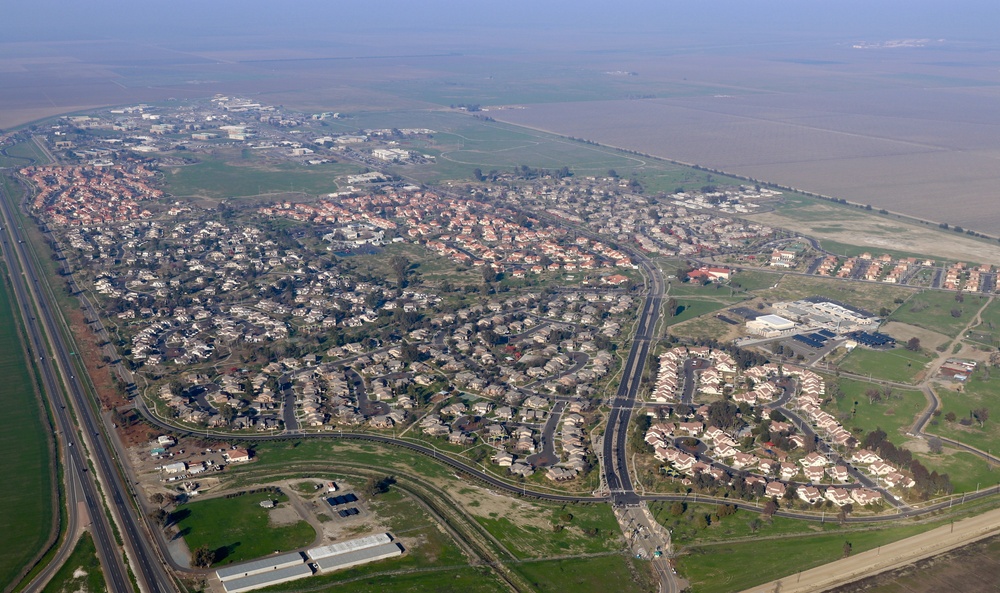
755,280
28,508
221,179
894,415
933,310
690,308
82,571
237,529
621,574
965,470
898,364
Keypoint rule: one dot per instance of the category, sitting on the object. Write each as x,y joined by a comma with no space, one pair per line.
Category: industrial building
771,326
356,557
266,579
263,572
349,546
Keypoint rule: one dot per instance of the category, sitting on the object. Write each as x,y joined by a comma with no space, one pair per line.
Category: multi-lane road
66,392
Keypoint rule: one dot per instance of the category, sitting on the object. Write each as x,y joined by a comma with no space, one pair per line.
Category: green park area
28,509
939,311
82,571
891,409
961,411
236,529
898,364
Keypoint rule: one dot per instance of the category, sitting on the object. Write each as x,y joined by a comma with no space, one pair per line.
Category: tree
677,509
160,517
377,485
950,417
847,549
913,344
400,266
754,525
671,307
956,312
770,508
981,415
934,445
203,557
874,395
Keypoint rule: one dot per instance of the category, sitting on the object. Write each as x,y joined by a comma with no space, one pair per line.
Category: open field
934,310
867,559
850,231
28,508
976,393
838,144
82,571
859,294
988,331
898,364
902,332
225,179
452,580
589,575
738,525
725,567
237,529
539,530
893,415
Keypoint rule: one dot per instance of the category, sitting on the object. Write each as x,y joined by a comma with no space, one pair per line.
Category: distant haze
887,102
708,21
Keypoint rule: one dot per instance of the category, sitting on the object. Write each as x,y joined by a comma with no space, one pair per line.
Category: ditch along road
44,325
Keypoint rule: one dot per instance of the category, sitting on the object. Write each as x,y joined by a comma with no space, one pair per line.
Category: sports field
27,506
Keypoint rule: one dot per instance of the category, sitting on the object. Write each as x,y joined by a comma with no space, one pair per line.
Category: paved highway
31,292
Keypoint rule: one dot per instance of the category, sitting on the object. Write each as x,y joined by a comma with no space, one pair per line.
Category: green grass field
933,310
82,571
894,415
237,528
219,179
28,508
966,471
453,580
898,364
978,392
18,155
597,574
725,568
684,531
690,308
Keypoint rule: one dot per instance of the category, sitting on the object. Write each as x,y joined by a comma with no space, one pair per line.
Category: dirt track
887,557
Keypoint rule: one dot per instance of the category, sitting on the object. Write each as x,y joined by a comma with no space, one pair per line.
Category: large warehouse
770,326
263,572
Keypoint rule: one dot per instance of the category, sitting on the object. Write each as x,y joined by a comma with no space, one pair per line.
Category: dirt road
887,557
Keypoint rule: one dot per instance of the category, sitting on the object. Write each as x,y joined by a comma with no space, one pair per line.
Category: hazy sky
720,20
